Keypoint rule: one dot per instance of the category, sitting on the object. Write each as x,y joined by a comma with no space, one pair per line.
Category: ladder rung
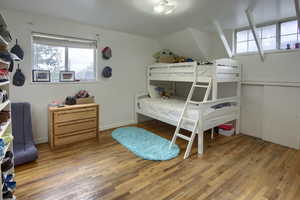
183,137
189,119
201,86
195,102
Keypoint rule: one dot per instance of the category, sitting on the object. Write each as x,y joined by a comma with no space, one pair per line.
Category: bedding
169,108
172,108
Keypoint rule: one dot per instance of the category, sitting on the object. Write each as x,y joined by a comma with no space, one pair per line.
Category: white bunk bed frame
222,71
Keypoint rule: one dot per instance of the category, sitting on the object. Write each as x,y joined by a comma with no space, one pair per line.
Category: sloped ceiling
137,17
189,43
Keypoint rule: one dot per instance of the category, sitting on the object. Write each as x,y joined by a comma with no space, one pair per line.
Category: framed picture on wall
67,76
40,75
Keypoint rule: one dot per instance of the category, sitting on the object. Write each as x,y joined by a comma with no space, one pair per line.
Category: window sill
65,83
277,51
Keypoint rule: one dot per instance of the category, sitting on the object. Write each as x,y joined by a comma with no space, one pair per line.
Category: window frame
66,62
278,38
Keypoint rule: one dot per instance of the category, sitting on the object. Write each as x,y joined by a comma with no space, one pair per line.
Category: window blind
64,41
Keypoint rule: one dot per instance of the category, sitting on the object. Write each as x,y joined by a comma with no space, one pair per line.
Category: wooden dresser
72,124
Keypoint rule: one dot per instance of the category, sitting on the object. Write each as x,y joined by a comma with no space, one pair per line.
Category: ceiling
137,16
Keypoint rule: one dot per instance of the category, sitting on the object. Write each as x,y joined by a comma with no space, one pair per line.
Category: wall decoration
40,75
106,53
107,72
17,51
19,78
66,76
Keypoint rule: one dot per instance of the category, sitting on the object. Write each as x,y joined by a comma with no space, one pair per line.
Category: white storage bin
226,133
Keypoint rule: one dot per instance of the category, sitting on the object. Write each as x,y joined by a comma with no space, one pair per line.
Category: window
289,34
280,35
57,53
245,41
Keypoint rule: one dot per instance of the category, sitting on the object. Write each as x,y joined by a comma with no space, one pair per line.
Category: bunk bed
195,116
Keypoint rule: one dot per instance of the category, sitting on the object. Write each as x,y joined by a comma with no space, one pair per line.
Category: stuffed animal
165,56
164,93
180,59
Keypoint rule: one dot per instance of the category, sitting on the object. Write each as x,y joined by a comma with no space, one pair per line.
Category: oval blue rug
145,144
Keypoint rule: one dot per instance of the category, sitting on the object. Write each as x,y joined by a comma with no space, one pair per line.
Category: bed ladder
184,118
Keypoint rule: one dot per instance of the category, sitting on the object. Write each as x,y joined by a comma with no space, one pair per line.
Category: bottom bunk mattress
171,109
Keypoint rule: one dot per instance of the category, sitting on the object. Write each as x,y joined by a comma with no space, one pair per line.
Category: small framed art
40,75
67,76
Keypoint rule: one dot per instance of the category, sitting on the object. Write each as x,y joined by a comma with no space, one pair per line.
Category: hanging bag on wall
19,78
106,53
107,72
18,51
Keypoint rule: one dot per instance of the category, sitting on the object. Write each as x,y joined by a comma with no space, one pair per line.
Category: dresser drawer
77,125
77,136
76,114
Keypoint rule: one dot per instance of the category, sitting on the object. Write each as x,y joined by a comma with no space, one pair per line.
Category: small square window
242,47
252,46
269,43
289,34
288,28
242,36
269,31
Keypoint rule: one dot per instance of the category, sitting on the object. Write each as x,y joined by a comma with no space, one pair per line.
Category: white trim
4,83
41,140
4,127
3,40
275,51
116,125
4,105
297,8
223,39
270,83
254,32
64,83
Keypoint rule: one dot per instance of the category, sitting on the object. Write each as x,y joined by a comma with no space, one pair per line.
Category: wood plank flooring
232,168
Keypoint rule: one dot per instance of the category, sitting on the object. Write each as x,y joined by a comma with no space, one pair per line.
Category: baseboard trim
116,125
41,140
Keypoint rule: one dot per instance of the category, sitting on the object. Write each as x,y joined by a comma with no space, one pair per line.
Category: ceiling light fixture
164,7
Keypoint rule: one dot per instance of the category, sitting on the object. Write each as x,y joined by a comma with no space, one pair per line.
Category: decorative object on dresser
70,100
72,124
83,97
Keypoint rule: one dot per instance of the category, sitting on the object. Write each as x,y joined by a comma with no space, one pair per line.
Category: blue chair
24,147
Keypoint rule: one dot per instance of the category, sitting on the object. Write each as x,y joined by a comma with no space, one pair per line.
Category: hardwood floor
232,168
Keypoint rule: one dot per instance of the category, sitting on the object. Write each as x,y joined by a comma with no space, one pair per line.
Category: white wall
189,43
131,55
270,112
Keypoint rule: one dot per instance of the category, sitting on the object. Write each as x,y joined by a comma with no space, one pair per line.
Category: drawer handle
79,111
75,133
76,122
